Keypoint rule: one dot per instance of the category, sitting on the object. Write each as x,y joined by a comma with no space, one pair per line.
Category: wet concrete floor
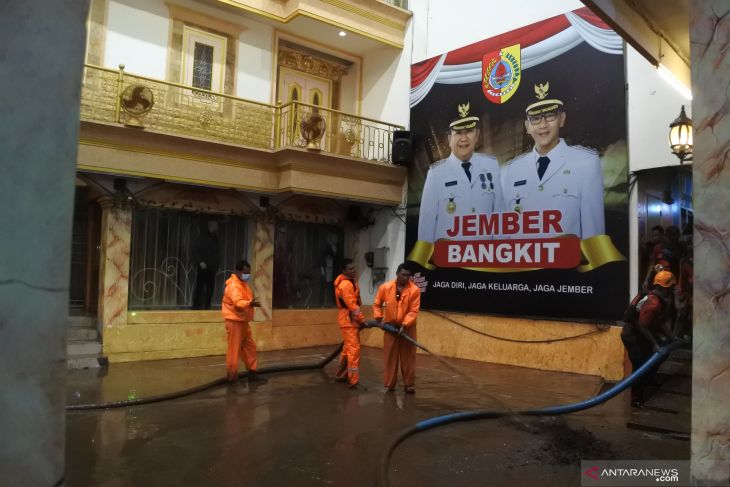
302,429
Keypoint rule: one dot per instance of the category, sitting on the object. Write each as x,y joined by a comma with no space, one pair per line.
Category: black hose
435,422
599,329
208,385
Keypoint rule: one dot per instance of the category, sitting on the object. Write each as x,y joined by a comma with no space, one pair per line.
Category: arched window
294,92
315,97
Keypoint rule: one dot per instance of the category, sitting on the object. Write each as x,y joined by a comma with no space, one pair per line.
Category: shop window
307,259
167,247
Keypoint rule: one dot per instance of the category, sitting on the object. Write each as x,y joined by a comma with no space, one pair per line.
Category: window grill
163,272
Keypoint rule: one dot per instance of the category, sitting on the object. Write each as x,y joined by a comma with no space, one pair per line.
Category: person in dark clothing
330,264
650,326
685,292
655,237
665,255
206,256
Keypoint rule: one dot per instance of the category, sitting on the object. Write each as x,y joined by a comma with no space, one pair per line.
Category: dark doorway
85,249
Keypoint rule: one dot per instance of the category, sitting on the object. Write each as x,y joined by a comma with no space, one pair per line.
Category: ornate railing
118,97
317,128
109,96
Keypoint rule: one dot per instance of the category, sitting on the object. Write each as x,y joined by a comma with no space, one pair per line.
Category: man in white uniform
555,176
465,183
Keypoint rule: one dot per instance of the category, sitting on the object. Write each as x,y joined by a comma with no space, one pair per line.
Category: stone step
677,384
83,347
676,367
91,361
684,354
669,403
82,321
77,333
660,422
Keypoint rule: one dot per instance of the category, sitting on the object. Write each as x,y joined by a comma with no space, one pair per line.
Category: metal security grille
162,272
203,66
79,250
307,259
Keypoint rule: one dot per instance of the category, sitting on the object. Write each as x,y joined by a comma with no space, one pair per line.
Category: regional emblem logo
501,73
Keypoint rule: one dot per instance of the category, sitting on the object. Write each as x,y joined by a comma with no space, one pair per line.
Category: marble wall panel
710,52
263,267
116,231
96,36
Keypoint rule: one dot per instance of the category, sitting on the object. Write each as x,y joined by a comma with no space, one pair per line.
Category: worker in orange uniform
349,317
237,309
397,303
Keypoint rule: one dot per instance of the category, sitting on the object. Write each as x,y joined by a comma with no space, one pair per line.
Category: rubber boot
255,377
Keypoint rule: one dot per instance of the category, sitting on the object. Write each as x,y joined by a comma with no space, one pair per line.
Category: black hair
658,228
241,264
672,231
346,262
405,267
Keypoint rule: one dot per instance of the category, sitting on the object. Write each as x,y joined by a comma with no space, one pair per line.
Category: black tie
466,165
542,164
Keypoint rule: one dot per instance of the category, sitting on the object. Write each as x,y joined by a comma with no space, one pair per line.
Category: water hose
387,327
384,466
398,332
208,385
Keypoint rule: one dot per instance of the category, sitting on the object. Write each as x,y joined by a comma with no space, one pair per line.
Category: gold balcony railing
115,96
317,128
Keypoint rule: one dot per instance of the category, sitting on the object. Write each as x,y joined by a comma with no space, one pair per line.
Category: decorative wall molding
203,20
313,65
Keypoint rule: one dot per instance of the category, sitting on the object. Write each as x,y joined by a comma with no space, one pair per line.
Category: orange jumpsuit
349,317
398,312
237,312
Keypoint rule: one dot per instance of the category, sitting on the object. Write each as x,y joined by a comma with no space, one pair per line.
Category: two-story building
262,130
219,130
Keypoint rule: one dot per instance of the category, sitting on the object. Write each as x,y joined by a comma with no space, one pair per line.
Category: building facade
214,131
274,125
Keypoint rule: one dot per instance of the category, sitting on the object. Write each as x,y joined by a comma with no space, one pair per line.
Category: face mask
245,277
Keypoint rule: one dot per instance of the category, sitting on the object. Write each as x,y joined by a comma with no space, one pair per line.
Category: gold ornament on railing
205,118
312,129
351,137
136,102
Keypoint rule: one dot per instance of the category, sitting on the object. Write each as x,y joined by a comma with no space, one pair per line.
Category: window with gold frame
203,61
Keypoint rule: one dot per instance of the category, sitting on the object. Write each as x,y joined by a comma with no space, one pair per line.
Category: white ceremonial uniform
572,183
448,193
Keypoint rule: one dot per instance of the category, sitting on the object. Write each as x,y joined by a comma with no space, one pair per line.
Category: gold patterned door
303,88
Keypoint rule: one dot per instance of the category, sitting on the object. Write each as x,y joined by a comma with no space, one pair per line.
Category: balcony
294,147
118,97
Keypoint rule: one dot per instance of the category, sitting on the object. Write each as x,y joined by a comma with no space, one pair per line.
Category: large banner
518,195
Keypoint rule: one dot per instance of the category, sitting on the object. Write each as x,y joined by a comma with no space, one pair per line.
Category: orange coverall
237,312
398,312
349,317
